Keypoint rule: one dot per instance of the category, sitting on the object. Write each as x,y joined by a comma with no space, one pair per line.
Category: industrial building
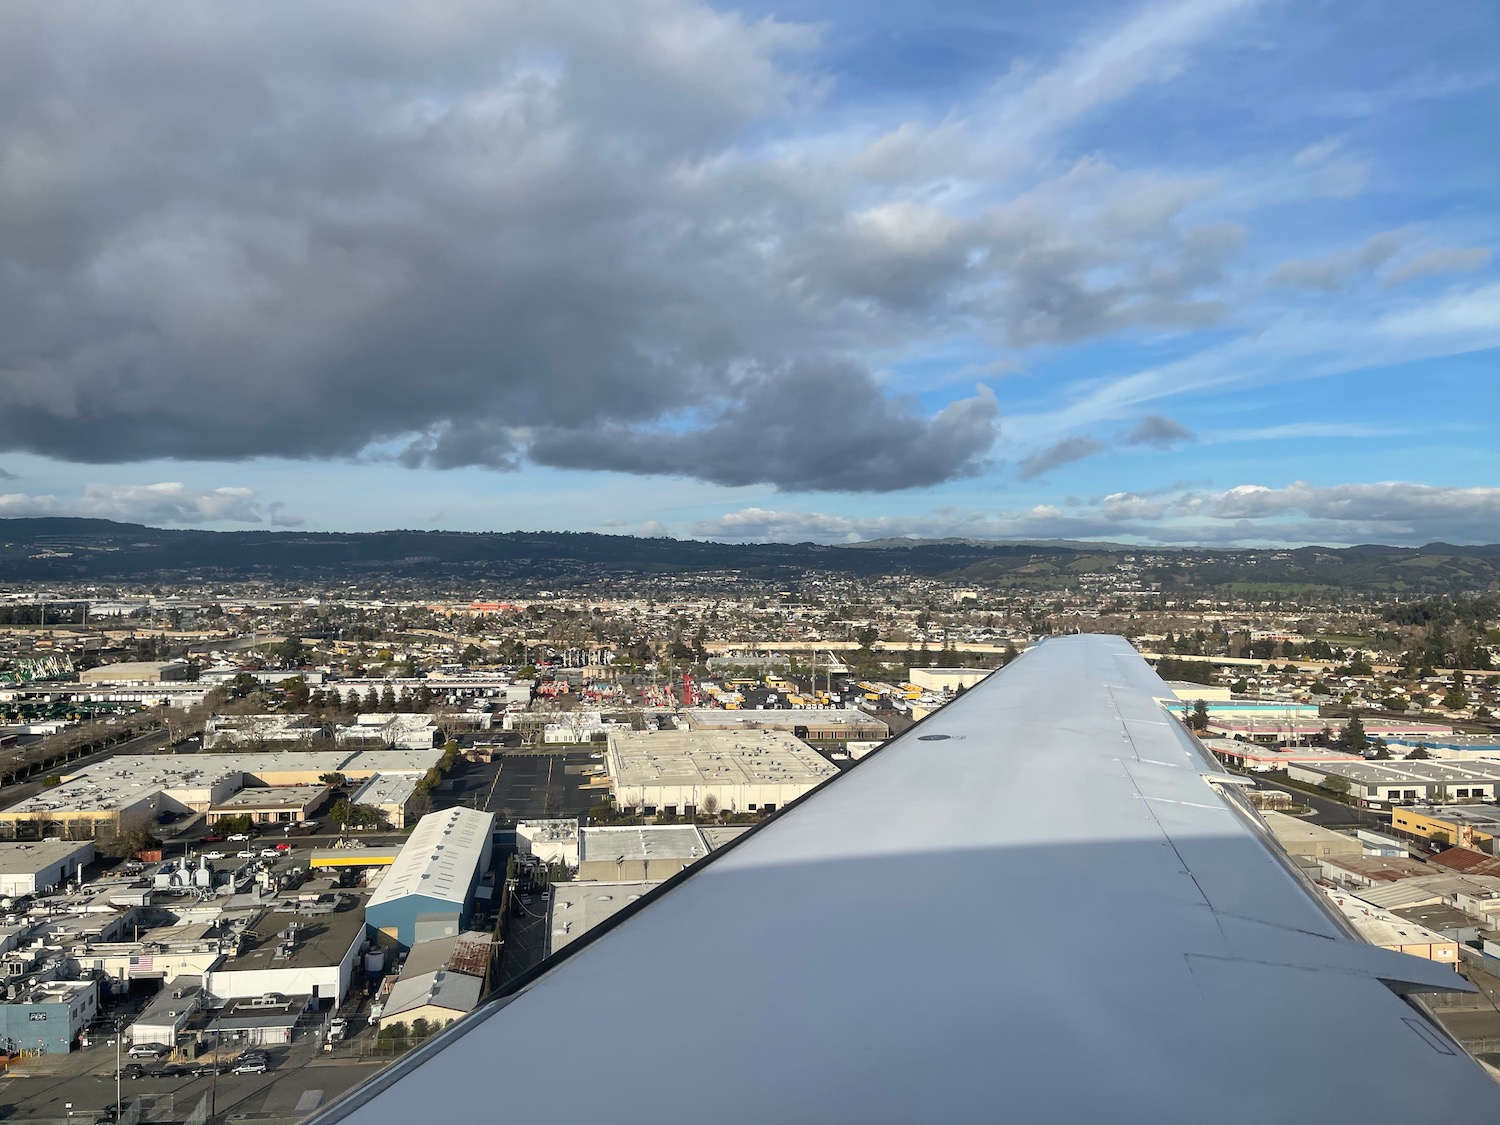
400,731
442,980
1382,928
1271,729
647,854
820,724
576,908
430,891
111,796
390,793
286,732
687,772
271,804
29,868
1254,757
1382,784
48,1017
136,672
309,953
1468,826
1303,838
946,679
551,841
169,1012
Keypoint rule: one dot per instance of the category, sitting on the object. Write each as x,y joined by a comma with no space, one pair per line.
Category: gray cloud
1158,430
1434,262
470,234
4,475
164,502
1393,502
783,431
1332,272
1058,454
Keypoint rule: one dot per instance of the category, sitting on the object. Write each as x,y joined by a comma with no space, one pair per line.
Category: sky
1215,272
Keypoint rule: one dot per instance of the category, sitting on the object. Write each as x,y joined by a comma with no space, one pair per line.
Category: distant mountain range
72,550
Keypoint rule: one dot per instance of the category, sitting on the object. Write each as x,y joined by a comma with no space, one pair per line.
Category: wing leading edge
1037,905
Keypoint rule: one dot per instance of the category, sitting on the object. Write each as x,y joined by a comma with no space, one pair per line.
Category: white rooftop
387,789
576,908
29,858
628,842
700,757
439,858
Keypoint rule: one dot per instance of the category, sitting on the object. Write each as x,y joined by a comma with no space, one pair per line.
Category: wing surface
1038,905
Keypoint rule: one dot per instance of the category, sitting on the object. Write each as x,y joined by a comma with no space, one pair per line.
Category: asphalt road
1326,811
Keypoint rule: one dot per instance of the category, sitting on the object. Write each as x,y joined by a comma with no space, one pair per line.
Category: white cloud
167,502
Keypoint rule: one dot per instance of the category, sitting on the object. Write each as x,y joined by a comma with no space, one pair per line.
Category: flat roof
320,940
439,858
387,789
576,908
440,988
629,842
1477,815
273,797
697,757
548,831
1381,927
392,761
30,858
1421,772
782,717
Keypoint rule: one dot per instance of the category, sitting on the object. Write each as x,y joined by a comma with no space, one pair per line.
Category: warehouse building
1382,784
551,841
288,732
820,724
169,1012
271,804
576,908
1253,757
430,891
631,853
1302,837
1468,826
48,1017
400,731
442,980
687,772
946,679
111,796
1382,928
136,672
292,953
29,868
391,793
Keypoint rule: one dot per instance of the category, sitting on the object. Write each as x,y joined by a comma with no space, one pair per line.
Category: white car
239,838
246,854
214,855
270,853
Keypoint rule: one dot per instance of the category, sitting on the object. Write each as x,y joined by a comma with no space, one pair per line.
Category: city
642,561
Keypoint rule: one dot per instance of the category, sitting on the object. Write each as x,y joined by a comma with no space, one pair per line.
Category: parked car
205,1070
214,855
270,853
251,1066
246,854
238,837
172,1071
146,1050
133,1070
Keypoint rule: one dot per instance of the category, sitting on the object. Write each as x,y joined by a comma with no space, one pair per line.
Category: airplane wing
1036,906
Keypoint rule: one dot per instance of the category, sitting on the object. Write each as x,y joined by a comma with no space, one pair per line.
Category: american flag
143,964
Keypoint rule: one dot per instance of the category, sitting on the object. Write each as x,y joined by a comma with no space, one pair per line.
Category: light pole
119,1109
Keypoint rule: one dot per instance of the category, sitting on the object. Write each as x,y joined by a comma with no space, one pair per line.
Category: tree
1382,751
1199,719
388,699
1419,754
1354,735
372,700
1335,784
1456,699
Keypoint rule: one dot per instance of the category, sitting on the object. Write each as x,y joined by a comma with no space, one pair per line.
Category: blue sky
1216,272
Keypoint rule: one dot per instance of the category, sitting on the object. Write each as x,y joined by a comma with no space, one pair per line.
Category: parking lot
525,785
